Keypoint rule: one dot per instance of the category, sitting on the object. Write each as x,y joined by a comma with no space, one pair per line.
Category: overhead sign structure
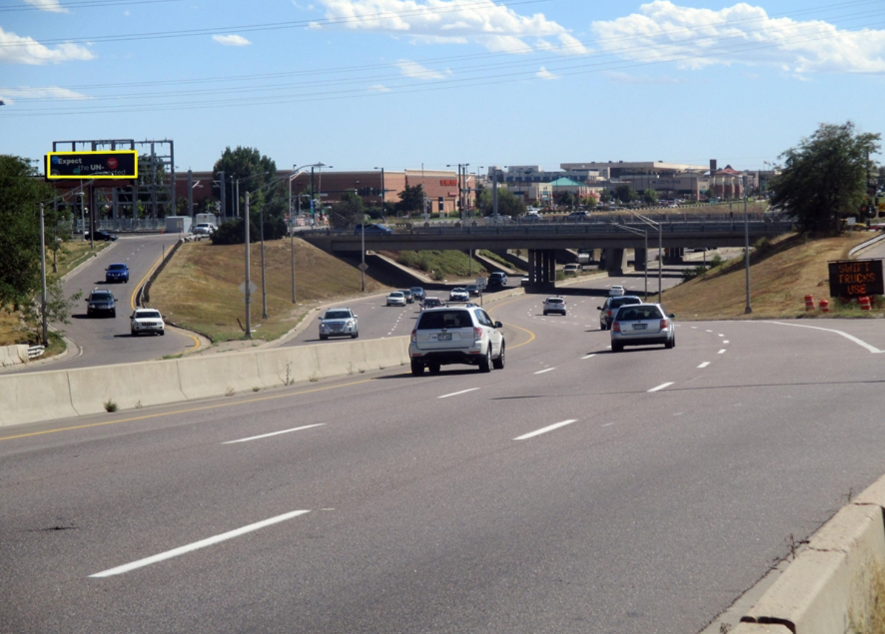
856,278
111,164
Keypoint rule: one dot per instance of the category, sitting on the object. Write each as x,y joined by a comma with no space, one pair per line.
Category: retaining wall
42,396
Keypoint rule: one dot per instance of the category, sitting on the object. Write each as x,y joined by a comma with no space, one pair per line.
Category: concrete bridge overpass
542,240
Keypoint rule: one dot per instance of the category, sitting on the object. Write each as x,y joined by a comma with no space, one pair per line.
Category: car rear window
439,319
625,301
554,301
638,314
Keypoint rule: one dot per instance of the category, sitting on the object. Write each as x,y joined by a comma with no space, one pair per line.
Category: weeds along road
576,490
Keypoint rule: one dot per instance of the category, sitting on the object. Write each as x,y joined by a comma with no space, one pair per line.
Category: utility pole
747,309
248,278
43,276
223,197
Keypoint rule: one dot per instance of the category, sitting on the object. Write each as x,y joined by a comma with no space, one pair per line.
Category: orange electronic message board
856,278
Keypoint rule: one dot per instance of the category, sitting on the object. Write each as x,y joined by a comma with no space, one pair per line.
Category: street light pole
295,171
660,227
43,276
747,309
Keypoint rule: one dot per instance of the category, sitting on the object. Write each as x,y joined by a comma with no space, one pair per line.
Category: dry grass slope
779,281
199,288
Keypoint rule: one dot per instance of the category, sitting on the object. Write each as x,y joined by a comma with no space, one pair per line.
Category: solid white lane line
589,356
722,351
704,365
860,342
546,429
473,389
275,433
543,371
175,552
661,387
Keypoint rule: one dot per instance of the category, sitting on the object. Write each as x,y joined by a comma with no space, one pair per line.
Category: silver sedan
642,325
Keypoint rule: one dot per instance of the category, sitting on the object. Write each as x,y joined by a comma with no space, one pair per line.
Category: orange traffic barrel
809,302
864,303
824,306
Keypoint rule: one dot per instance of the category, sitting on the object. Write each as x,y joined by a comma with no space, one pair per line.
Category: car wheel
617,347
133,333
355,335
670,343
499,362
485,365
545,313
162,333
417,368
434,368
113,313
323,337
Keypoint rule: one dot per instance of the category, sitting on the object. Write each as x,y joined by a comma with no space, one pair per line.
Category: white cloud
10,95
417,71
496,27
695,38
47,5
15,49
545,74
626,78
379,88
231,40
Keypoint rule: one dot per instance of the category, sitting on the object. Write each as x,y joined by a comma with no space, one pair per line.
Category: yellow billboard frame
96,176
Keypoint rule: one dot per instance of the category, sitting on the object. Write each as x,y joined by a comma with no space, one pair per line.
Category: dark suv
608,310
497,279
101,302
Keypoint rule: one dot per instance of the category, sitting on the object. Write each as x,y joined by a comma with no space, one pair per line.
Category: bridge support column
640,259
615,261
542,269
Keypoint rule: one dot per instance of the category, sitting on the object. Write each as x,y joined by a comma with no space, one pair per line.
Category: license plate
639,326
445,336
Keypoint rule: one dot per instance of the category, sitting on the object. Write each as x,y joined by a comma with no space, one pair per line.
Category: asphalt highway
576,490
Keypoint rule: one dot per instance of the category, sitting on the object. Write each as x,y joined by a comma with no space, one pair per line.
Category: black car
101,302
100,235
608,310
409,297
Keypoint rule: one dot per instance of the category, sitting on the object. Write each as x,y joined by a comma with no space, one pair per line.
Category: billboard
119,164
855,278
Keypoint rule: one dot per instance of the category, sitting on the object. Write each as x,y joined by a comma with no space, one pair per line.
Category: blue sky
359,84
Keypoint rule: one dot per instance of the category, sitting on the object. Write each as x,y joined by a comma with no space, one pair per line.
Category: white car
203,229
456,334
554,305
146,320
571,269
339,322
459,295
396,298
616,290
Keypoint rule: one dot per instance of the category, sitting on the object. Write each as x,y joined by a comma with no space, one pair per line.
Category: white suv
456,334
147,320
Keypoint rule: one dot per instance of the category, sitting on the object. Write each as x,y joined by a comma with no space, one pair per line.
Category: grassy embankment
781,275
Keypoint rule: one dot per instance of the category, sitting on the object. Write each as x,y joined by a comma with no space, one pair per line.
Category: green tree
348,212
824,179
508,203
625,193
247,163
20,195
650,197
411,200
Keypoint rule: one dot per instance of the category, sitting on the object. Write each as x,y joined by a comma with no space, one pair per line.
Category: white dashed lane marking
276,433
661,387
473,389
704,365
543,371
545,429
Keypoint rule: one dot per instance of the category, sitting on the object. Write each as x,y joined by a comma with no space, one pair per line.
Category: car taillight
477,334
414,336
616,327
609,313
664,324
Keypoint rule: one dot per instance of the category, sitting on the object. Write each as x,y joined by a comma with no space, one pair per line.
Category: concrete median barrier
284,366
220,374
34,397
129,386
829,584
